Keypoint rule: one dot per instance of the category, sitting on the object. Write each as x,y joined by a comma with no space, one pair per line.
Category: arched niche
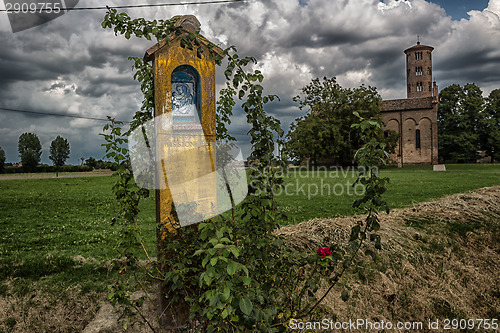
186,99
393,125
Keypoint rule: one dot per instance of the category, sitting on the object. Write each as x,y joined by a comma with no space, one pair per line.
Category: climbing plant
234,272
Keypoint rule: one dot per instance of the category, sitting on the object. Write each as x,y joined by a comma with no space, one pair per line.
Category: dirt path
53,175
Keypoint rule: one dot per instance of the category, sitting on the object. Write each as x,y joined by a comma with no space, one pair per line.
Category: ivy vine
234,272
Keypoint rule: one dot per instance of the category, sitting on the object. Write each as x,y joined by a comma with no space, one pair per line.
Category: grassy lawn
305,199
44,223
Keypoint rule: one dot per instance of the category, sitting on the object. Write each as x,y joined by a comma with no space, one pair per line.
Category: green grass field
44,223
407,185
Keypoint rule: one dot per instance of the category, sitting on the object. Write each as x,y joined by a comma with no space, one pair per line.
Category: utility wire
48,10
55,114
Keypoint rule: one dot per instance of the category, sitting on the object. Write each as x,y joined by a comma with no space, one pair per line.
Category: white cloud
354,78
384,6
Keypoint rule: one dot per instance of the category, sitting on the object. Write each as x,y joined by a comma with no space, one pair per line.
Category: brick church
415,117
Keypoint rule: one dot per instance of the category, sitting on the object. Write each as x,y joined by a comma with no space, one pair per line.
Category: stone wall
415,119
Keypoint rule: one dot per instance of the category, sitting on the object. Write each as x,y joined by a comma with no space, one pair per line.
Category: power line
55,114
50,9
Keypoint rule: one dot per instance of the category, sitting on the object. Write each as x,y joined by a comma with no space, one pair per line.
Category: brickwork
406,122
419,71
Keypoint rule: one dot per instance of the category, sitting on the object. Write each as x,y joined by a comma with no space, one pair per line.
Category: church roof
407,104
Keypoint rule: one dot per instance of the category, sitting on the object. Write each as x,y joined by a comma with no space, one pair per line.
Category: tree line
30,152
468,123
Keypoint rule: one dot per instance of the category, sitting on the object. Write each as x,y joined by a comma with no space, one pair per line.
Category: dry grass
42,312
440,259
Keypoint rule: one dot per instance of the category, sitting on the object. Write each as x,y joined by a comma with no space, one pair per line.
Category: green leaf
246,280
235,251
231,268
225,240
219,234
225,295
345,295
205,261
355,232
246,306
206,278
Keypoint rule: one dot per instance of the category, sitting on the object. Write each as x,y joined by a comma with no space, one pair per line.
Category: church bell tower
419,71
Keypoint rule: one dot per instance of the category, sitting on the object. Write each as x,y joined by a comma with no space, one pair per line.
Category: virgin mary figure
183,100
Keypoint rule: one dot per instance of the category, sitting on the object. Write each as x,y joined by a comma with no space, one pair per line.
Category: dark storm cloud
100,84
71,65
483,68
19,65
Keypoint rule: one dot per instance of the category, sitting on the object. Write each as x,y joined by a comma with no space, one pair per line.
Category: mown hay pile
439,260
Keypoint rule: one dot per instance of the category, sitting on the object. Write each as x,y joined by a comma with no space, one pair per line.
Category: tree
91,162
30,151
489,134
59,151
2,159
309,137
460,122
100,164
325,133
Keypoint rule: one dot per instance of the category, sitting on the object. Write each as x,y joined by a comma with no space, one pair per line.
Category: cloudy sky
72,66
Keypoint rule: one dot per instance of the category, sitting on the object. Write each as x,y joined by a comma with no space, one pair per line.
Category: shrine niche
185,83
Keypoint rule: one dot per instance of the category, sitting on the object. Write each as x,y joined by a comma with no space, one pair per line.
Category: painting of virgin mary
183,99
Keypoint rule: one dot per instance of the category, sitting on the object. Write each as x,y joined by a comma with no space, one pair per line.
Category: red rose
323,252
